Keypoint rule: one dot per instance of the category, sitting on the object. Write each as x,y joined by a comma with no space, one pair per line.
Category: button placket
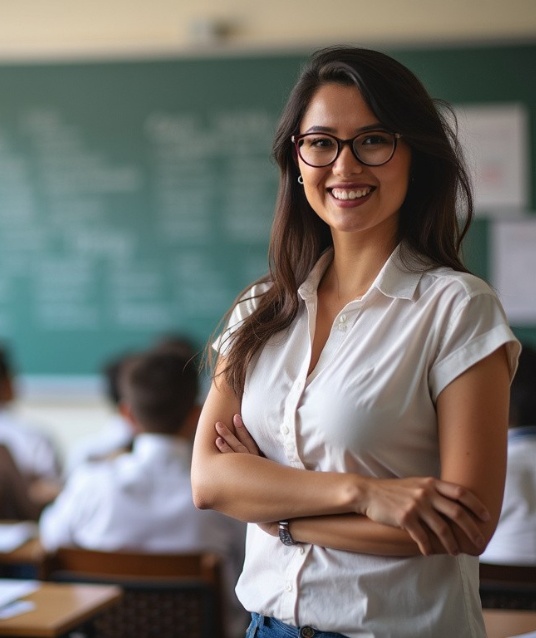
288,427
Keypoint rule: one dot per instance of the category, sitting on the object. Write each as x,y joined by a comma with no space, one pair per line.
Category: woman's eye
374,139
321,142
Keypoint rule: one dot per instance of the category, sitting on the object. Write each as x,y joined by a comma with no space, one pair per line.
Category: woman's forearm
250,487
354,533
255,489
229,474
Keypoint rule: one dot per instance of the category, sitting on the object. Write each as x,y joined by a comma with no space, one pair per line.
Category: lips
345,194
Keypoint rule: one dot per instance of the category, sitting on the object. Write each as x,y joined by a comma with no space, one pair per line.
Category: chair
171,595
508,586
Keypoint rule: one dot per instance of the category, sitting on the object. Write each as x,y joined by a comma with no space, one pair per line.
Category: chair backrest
172,595
508,586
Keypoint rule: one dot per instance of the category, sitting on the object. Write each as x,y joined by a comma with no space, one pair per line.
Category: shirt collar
395,279
146,445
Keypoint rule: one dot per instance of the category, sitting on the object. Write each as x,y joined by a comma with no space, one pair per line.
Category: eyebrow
363,129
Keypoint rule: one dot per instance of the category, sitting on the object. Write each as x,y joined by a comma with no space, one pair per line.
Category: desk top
503,623
60,607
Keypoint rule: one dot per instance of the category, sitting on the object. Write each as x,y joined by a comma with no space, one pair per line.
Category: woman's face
349,196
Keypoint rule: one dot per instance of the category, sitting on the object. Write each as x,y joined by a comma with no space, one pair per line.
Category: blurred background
136,187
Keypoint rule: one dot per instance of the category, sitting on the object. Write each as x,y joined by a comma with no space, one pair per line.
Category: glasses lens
374,147
318,149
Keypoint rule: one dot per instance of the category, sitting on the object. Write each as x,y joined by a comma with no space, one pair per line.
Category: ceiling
111,28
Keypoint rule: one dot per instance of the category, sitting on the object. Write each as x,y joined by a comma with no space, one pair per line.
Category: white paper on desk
13,535
12,589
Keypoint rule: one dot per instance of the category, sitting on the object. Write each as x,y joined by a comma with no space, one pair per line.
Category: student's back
142,500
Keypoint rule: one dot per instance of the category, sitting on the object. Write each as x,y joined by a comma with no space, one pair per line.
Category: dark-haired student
142,500
116,436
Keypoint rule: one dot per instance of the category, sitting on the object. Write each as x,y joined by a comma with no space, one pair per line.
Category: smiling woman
348,193
370,369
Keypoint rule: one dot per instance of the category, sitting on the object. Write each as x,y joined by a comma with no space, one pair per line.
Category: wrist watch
284,534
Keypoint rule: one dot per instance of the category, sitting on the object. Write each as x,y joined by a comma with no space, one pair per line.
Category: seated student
32,450
15,502
514,541
142,500
116,437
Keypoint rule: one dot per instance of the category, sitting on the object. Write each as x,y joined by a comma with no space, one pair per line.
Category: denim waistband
266,627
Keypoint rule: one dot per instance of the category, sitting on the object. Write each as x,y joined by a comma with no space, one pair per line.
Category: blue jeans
264,627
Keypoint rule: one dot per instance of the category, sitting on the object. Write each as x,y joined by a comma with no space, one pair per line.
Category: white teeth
339,193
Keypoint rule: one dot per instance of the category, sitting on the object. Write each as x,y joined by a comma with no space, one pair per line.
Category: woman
371,369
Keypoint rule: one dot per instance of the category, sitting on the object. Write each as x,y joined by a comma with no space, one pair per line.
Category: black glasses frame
295,139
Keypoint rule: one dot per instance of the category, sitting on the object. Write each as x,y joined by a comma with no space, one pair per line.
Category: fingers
227,441
438,516
465,497
222,446
453,507
244,436
464,520
423,521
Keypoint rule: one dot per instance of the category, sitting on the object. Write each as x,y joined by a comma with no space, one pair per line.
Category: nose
347,163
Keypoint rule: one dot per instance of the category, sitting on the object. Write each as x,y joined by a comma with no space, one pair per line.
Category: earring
300,180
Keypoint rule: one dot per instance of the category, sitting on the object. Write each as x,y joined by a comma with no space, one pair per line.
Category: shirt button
288,587
301,550
284,429
342,318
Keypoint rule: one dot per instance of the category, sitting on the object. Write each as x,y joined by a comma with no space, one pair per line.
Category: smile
342,194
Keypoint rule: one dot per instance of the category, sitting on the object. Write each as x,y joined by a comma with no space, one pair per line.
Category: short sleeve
243,308
476,328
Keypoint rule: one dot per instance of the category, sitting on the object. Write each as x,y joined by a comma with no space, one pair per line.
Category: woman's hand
239,441
428,509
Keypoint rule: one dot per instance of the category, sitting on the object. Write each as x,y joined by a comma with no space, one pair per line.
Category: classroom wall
31,30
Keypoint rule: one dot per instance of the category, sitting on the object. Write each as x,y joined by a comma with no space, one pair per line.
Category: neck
353,270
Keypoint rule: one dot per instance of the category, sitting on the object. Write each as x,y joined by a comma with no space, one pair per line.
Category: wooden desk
27,561
60,607
502,623
31,553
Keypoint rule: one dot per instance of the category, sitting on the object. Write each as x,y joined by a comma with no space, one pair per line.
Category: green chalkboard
136,196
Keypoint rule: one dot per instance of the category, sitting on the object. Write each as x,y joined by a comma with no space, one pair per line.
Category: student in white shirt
32,450
514,541
371,369
142,500
116,436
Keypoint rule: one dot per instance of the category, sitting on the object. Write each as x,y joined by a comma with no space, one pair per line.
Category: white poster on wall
495,141
513,268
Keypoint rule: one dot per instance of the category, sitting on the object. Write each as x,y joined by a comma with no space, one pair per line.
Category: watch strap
284,534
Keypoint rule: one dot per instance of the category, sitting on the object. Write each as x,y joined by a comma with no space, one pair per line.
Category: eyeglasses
372,148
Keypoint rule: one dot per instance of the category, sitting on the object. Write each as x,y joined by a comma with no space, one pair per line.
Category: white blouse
368,407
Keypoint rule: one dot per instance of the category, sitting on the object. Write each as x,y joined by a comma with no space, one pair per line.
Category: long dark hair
434,217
